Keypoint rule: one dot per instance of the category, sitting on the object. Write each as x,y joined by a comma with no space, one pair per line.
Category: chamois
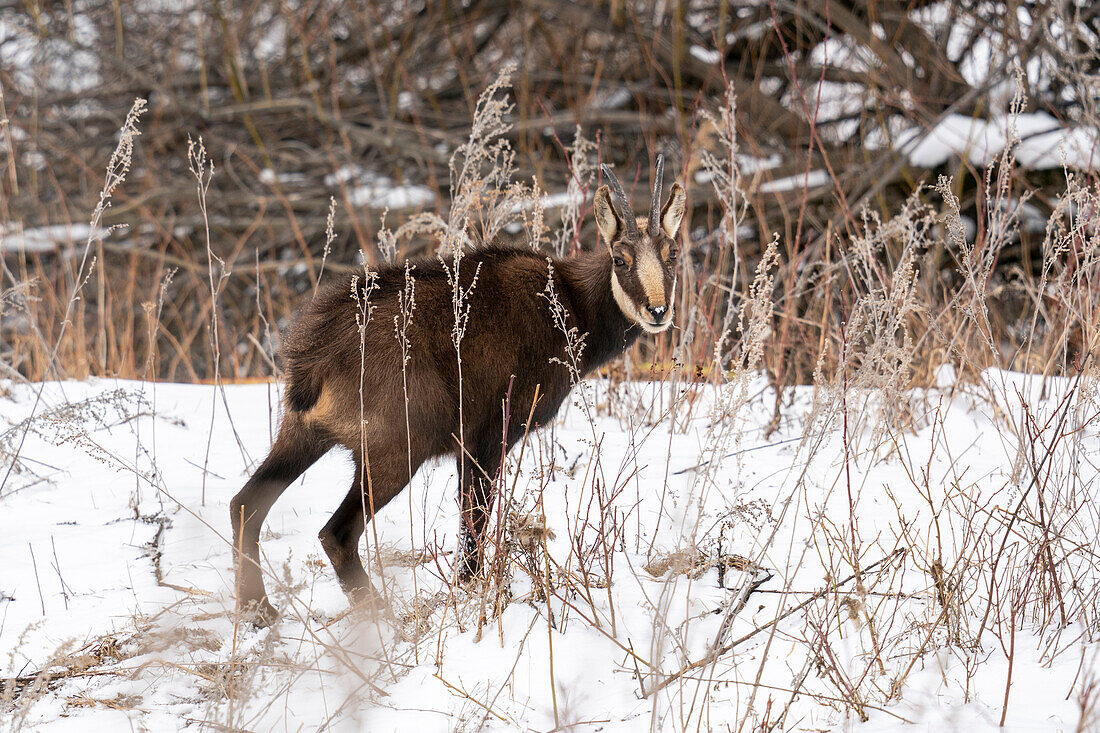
345,385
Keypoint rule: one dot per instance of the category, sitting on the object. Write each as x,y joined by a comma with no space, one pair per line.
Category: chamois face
643,256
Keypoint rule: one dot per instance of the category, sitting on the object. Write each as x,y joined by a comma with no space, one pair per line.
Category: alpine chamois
345,386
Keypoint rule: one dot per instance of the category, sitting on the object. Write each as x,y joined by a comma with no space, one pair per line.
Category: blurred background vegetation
845,109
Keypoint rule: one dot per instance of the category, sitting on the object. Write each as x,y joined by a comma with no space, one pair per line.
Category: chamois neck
586,278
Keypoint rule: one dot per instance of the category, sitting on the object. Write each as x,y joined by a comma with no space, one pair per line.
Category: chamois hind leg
296,448
377,480
476,494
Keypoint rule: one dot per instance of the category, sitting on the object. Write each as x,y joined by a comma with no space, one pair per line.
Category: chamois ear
673,212
607,221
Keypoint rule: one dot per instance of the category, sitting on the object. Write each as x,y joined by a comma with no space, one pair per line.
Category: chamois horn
625,210
655,209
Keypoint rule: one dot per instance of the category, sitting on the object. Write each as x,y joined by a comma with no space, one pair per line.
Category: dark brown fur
344,389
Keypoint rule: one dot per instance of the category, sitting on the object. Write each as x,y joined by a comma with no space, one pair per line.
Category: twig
34,562
733,644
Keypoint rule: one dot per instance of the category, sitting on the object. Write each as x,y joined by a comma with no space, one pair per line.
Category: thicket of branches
300,102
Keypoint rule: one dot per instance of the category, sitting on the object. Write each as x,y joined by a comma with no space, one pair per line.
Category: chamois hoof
260,613
367,600
469,569
468,579
364,596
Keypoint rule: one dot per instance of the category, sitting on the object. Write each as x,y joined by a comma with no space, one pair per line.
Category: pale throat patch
620,297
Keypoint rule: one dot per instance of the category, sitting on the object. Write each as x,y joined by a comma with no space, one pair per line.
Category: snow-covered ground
117,603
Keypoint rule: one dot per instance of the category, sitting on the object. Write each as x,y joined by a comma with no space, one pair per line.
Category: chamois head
643,251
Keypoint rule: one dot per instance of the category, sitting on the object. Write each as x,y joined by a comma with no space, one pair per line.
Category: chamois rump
344,388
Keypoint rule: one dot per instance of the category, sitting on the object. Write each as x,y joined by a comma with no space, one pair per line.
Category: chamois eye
673,254
619,262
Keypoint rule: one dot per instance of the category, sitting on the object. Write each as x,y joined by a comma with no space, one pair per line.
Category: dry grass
866,297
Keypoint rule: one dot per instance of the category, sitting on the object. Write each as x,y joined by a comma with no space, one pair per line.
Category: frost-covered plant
724,172
581,161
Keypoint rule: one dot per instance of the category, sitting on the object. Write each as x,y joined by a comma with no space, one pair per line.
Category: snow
1044,142
378,192
50,63
836,106
797,182
1078,147
110,486
976,52
614,98
571,197
14,238
706,55
845,53
747,165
